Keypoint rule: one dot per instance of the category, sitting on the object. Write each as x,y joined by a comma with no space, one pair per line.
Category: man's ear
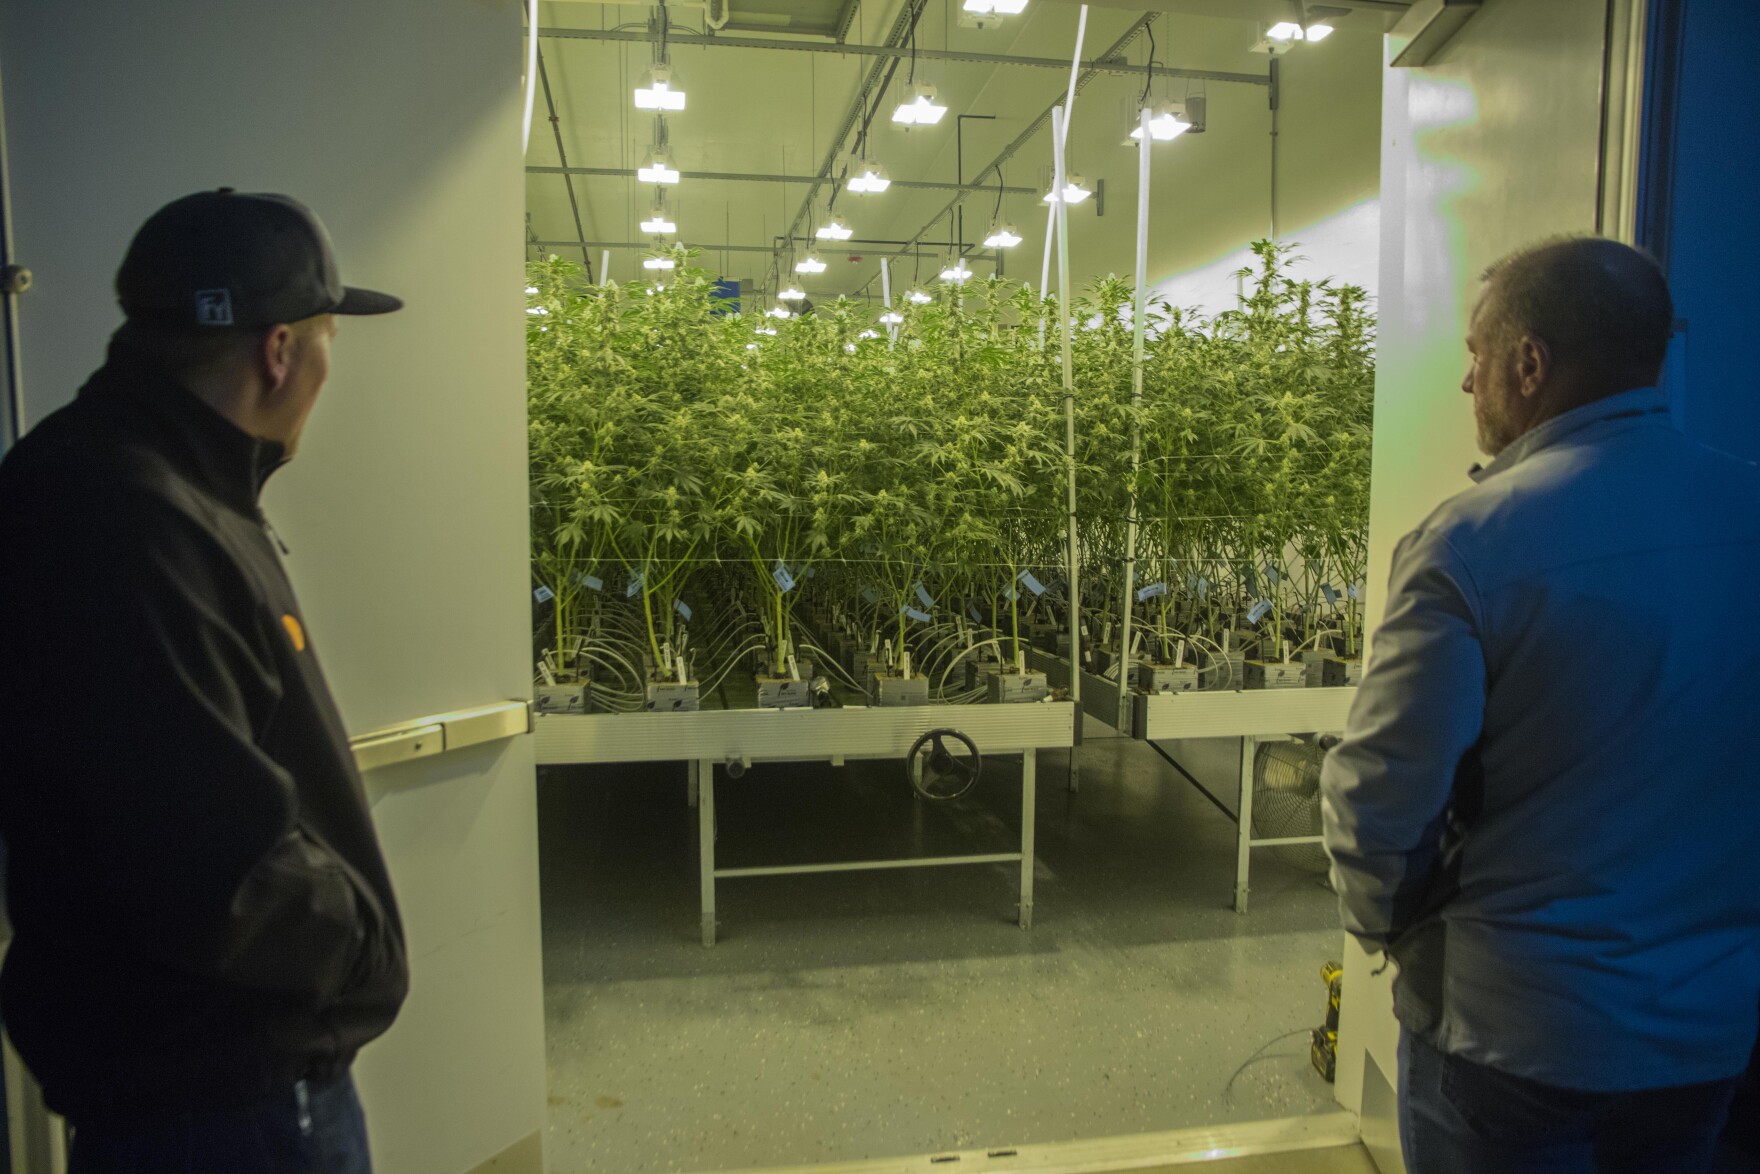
1533,364
275,356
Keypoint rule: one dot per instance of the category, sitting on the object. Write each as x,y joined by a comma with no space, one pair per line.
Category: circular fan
943,765
1286,799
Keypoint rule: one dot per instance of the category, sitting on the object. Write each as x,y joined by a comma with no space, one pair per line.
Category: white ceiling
777,112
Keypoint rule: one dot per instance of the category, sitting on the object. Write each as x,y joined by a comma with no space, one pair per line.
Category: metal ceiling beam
754,177
1107,63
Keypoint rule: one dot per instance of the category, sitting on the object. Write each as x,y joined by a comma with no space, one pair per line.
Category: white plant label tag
1031,584
923,594
635,585
904,663
1286,652
543,595
1136,642
1020,661
592,582
1258,611
683,609
1225,637
1106,632
682,678
1330,594
544,671
889,654
1179,655
794,669
784,580
874,644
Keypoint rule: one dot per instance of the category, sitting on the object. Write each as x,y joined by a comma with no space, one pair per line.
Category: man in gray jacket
1546,808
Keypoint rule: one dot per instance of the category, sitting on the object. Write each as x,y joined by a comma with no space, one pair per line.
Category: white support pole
1053,230
1139,323
605,267
886,300
1059,125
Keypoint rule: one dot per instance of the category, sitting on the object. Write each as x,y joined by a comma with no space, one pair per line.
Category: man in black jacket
205,933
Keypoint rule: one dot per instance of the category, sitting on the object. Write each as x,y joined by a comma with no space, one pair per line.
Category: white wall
398,120
1343,249
1493,145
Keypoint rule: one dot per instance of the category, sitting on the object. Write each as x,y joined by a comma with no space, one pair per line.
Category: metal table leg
690,774
705,772
1029,814
1244,824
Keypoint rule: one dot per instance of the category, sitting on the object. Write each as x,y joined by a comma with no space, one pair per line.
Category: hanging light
1002,236
1167,121
867,178
793,293
995,7
531,289
835,229
1075,190
921,108
658,168
1317,33
1285,30
955,271
658,94
778,312
660,262
770,330
892,318
809,264
658,222
919,298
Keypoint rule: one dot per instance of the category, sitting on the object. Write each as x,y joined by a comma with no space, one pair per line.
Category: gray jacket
1547,805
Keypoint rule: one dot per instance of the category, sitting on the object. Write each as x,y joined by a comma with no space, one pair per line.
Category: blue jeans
1458,1117
309,1129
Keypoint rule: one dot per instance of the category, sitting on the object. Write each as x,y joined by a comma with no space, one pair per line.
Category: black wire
999,184
1256,1056
1149,77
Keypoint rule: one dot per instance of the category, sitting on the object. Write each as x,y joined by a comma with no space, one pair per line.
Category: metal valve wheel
940,773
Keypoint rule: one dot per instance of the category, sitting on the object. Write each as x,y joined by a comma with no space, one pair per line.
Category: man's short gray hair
1603,307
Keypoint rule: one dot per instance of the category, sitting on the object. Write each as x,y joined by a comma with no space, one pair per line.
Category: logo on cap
214,307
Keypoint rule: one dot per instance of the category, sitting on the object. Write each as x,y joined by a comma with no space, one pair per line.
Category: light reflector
892,318
835,229
919,298
659,263
658,94
793,293
1002,236
1166,122
868,179
809,264
920,108
955,271
1075,190
658,168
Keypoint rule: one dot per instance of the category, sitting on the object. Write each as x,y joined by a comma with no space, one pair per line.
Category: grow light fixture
995,7
956,271
531,289
1167,121
658,168
835,229
659,263
1002,236
1075,190
658,94
869,334
921,109
892,318
1286,32
658,222
769,330
809,264
868,179
793,293
919,298
536,311
778,312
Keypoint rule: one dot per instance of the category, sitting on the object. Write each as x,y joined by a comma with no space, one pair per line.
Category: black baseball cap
236,260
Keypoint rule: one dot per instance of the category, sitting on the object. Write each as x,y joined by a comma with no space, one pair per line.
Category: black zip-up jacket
202,915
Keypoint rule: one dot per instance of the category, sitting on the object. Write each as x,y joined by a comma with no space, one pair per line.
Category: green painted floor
863,1015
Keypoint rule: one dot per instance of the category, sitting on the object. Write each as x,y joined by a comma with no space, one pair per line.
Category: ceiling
782,112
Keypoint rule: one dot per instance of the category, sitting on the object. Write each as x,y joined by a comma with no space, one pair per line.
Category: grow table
704,739
1251,715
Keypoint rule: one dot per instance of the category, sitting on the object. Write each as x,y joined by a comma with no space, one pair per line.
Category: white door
1496,143
399,122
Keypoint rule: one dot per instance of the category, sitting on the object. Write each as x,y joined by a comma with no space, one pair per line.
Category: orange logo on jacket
295,633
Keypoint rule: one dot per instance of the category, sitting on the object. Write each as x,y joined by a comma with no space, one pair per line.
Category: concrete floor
863,1015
